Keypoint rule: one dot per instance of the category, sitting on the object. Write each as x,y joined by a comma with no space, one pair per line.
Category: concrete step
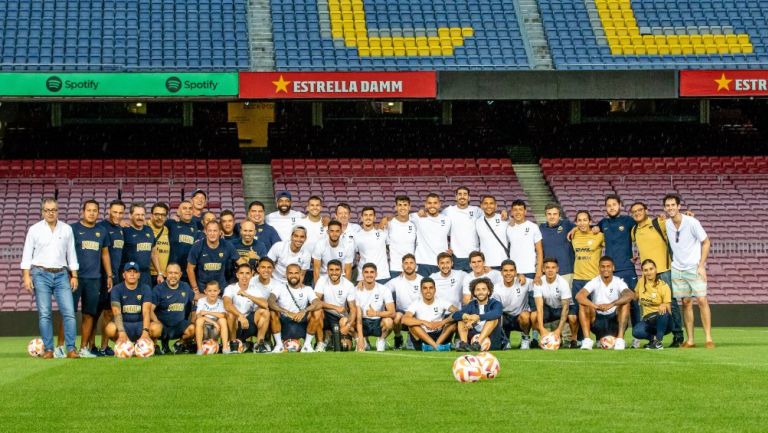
257,185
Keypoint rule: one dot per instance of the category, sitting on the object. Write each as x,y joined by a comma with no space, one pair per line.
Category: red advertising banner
724,83
337,85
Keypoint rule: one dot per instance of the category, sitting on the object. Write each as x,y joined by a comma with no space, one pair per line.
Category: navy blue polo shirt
88,244
131,301
211,264
554,241
618,240
173,305
265,233
138,246
114,244
255,246
181,237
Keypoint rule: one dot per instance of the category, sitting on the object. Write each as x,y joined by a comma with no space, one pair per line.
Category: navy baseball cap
131,265
285,194
199,191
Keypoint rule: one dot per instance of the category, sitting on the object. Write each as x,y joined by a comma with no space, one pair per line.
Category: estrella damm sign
724,83
337,85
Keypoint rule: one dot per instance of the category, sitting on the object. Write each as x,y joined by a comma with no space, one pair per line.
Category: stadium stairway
260,33
257,181
533,34
532,180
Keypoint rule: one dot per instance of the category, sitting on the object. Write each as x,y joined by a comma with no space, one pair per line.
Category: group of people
462,277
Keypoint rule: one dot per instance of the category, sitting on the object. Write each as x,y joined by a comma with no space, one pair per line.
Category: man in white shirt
525,243
371,244
690,248
406,290
429,320
479,270
348,229
514,300
339,307
330,248
401,235
432,232
247,309
553,301
607,312
313,222
448,281
294,310
49,267
492,232
293,252
463,229
263,284
284,218
376,310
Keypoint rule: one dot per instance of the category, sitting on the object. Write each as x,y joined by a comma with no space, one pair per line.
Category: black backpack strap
655,223
292,297
505,246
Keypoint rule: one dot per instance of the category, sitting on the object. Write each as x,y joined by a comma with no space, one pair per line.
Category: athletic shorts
244,334
88,293
292,329
371,327
134,330
331,319
210,332
174,331
605,324
510,323
417,343
553,314
497,338
104,296
688,284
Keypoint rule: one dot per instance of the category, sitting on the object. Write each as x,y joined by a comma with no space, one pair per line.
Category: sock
308,340
535,335
278,339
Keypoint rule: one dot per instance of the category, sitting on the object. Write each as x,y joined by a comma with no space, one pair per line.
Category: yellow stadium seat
746,48
434,50
628,50
663,50
388,51
625,40
363,43
400,52
616,50
374,42
648,40
636,40
640,50
398,42
457,42
687,49
708,39
455,32
386,42
467,32
410,43
699,49
684,39
719,39
695,39
446,51
445,41
734,48
375,52
411,52
659,40
423,51
622,31
444,32
633,31
731,39
673,40
742,38
363,52
675,50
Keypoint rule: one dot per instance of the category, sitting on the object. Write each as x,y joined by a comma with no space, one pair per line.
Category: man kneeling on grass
131,309
481,316
429,321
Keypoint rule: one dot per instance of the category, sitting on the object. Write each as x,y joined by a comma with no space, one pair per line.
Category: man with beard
463,229
332,248
140,245
406,289
292,309
285,253
247,309
491,230
172,303
248,248
448,282
481,316
264,232
428,319
284,218
158,216
209,259
432,232
479,270
182,235
339,306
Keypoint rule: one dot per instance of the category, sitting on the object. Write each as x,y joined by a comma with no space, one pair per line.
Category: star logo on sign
723,83
281,85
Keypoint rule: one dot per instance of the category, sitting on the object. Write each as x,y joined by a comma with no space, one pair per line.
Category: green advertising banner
138,84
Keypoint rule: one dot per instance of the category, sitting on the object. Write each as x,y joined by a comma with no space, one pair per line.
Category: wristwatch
145,329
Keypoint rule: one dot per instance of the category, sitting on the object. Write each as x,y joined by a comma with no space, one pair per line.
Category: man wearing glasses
690,247
159,214
49,266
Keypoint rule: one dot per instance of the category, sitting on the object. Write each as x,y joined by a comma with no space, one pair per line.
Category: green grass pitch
674,390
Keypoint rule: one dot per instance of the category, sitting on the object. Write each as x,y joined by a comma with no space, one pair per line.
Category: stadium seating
24,182
710,186
396,35
132,35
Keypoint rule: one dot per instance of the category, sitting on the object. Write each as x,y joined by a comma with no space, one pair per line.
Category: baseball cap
285,194
131,265
199,191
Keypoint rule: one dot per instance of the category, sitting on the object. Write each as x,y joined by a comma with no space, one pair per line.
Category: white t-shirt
282,255
323,251
553,293
463,234
513,299
315,232
283,224
686,247
493,275
433,312
480,323
349,234
338,294
522,240
405,291
203,307
243,304
303,295
431,237
449,288
489,245
263,290
372,246
605,294
376,298
402,240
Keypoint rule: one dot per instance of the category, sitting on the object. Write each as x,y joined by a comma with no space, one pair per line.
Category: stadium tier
132,35
23,185
710,186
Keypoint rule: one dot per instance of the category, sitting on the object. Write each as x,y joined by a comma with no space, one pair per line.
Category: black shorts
292,329
498,340
244,334
88,293
134,330
105,301
175,330
605,324
510,323
418,343
371,327
331,319
553,314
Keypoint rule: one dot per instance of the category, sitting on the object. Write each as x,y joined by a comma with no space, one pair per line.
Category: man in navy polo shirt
265,233
209,259
249,249
182,235
131,307
114,230
139,245
554,240
199,200
173,301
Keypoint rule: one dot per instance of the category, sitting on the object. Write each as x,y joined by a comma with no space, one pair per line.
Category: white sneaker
586,344
85,353
381,345
307,349
227,351
620,344
320,347
59,352
636,343
278,348
525,344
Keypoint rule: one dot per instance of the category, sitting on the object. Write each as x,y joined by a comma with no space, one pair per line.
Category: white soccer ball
210,347
124,350
35,347
292,345
466,368
607,342
144,348
489,365
550,342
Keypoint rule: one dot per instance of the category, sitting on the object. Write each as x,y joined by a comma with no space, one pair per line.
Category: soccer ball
292,345
35,347
240,345
550,342
210,347
485,345
124,350
466,368
144,348
607,342
489,365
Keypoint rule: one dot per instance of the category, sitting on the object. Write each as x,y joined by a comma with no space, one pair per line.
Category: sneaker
534,344
72,355
268,346
228,351
97,352
398,342
462,346
525,343
261,348
677,340
381,345
200,352
445,347
166,349
85,353
635,343
654,345
307,349
367,345
59,352
573,344
159,351
320,347
178,348
249,346
427,348
108,351
586,344
233,346
620,344
475,347
508,345
278,348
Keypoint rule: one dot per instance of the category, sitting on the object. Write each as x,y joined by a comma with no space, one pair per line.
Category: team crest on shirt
653,295
410,228
453,281
301,294
192,229
434,309
378,235
560,229
527,229
98,234
138,297
442,223
341,254
146,235
340,293
183,294
621,228
221,255
376,297
589,242
498,220
471,214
